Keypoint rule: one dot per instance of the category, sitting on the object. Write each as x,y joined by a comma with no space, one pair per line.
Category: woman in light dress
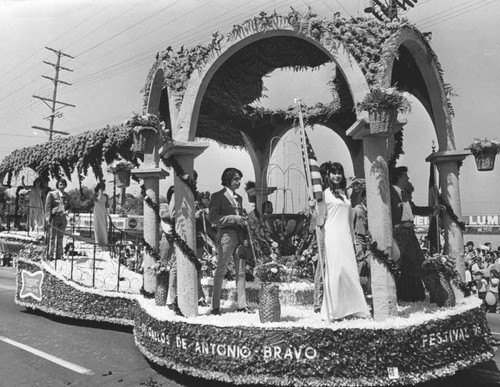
343,296
100,214
36,206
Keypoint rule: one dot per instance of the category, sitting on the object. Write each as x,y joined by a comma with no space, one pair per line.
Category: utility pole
387,8
53,102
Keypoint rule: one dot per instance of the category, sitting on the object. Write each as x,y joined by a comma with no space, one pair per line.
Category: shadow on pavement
80,323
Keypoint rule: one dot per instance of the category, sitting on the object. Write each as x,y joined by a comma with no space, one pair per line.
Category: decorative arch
158,100
155,93
414,68
186,125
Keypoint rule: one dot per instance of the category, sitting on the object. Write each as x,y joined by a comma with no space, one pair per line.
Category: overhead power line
458,13
54,102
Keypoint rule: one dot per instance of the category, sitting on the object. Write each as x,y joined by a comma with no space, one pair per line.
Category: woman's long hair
325,170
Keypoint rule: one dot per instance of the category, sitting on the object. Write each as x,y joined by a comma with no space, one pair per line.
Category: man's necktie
404,195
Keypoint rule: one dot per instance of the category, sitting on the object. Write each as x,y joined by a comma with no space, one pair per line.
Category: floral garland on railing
181,243
383,257
451,213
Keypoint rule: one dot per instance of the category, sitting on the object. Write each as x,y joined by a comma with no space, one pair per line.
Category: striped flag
433,232
311,162
433,188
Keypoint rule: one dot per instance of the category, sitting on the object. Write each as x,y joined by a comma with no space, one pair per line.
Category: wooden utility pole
387,8
54,102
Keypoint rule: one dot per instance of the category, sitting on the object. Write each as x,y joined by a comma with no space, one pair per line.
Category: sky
114,44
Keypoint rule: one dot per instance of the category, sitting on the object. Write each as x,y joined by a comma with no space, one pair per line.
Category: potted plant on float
121,169
383,106
484,151
145,130
438,271
160,269
270,274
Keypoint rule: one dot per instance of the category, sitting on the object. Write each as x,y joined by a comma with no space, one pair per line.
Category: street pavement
41,350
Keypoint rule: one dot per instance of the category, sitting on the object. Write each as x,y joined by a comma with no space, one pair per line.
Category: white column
378,199
448,166
187,276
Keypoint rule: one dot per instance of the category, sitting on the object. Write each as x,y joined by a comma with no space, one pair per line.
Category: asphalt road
41,350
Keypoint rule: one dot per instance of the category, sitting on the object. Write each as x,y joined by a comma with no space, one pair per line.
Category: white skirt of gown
343,295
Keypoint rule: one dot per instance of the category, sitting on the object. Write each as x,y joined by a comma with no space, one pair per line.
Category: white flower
274,270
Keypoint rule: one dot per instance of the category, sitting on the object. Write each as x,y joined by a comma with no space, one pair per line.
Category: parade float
206,92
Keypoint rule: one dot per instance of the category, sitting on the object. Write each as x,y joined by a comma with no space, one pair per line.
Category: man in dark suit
409,285
226,212
56,210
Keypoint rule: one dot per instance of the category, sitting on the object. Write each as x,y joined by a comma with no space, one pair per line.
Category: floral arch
207,91
414,68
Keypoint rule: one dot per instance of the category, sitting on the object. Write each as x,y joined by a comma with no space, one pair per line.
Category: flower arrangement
438,272
441,263
139,122
160,267
380,98
271,272
484,145
120,166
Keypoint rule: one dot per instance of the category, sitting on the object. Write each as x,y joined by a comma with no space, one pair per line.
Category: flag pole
438,228
321,257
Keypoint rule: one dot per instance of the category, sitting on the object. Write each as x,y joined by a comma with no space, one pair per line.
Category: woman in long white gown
342,295
100,215
36,207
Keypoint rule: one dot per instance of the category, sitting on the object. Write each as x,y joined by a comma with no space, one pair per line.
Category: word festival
449,336
232,350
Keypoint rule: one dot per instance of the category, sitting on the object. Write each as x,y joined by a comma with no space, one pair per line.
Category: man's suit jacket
53,200
222,211
397,208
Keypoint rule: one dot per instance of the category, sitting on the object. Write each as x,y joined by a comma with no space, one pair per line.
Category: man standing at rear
226,212
409,286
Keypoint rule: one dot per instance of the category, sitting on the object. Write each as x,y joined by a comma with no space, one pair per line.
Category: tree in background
81,202
132,206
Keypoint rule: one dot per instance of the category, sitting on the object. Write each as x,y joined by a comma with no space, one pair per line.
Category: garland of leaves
398,149
67,154
383,257
172,162
365,38
181,243
451,213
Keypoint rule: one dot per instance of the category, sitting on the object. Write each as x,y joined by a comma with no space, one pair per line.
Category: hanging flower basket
145,139
484,151
485,161
161,290
122,179
383,106
121,169
382,120
269,302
